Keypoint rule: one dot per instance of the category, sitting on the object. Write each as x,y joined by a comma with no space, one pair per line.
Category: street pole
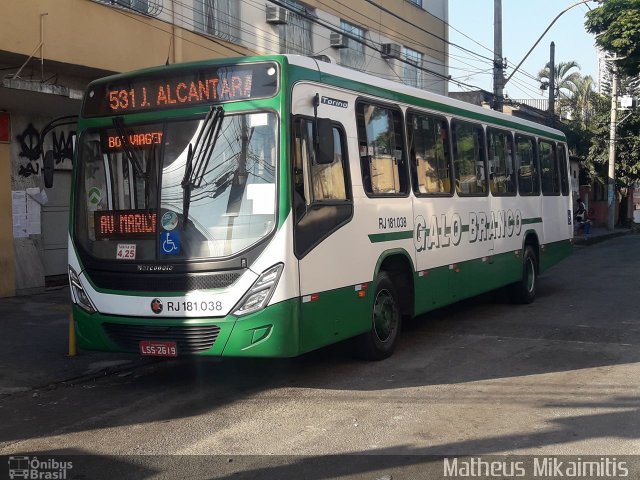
611,181
543,34
552,84
498,67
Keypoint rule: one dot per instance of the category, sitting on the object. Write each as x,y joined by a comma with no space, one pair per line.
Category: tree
616,25
565,80
627,142
583,101
576,93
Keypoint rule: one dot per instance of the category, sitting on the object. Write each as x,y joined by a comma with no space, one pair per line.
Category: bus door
323,235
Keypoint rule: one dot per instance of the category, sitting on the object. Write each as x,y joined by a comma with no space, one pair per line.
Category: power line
310,18
393,14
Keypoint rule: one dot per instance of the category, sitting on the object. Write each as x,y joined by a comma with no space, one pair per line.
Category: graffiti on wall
63,147
31,148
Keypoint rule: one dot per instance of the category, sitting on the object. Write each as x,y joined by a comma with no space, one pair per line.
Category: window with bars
353,55
412,73
416,2
220,18
295,35
146,7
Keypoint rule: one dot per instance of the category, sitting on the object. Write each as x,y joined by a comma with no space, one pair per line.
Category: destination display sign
176,88
124,224
139,139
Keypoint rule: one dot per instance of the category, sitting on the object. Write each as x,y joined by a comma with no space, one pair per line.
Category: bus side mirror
324,142
47,168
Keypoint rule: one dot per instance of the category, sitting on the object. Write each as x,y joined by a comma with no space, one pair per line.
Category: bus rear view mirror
47,168
324,142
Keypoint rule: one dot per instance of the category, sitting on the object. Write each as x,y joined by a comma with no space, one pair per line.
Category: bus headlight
80,297
260,292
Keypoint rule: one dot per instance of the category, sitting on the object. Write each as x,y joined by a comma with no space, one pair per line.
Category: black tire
380,342
524,290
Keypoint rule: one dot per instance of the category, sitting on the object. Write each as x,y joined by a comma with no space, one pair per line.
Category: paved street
559,376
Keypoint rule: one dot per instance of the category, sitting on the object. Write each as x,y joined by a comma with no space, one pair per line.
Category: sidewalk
34,347
600,234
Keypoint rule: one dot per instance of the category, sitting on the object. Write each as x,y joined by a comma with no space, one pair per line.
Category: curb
590,240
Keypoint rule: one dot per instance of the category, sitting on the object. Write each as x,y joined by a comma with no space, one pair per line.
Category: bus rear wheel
380,342
524,290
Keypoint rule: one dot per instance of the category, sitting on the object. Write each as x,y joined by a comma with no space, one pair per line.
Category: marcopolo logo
38,469
156,306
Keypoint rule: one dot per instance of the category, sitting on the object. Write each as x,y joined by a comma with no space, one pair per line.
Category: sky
523,21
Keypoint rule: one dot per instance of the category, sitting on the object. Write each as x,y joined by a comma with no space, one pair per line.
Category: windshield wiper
129,150
198,157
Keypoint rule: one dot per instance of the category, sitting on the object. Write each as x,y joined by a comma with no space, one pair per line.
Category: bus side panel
507,259
554,253
431,289
333,315
335,270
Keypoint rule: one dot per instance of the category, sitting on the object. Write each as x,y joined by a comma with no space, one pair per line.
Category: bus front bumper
270,332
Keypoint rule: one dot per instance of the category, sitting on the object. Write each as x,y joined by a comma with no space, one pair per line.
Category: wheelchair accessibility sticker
170,243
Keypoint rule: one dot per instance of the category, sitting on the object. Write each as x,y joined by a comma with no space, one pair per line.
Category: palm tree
566,81
583,101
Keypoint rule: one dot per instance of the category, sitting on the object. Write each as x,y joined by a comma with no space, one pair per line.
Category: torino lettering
444,231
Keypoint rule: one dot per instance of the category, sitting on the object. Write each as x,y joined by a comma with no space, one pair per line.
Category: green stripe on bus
529,221
389,237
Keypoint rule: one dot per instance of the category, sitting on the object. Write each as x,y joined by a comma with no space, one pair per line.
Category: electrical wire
269,39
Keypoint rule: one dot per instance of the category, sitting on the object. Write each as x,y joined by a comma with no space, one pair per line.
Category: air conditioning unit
391,50
337,40
276,15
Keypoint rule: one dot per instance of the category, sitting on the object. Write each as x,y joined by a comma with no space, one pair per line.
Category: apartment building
50,50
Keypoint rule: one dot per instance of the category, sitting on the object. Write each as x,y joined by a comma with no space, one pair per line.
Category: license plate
158,349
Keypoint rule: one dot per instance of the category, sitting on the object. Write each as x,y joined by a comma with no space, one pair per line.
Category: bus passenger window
564,169
469,159
429,153
328,181
549,168
381,144
501,166
528,181
313,182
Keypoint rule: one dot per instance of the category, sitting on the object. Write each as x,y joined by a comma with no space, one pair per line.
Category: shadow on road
576,323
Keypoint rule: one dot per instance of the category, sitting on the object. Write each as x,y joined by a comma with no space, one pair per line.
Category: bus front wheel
380,342
524,290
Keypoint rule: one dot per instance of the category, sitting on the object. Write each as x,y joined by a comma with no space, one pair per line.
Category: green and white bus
269,206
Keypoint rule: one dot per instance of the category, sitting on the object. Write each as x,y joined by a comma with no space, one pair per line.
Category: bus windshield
136,182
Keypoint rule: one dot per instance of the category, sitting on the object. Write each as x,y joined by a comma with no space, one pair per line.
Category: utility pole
552,83
611,181
498,67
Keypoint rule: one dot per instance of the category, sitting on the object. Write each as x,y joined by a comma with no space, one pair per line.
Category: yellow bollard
73,349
